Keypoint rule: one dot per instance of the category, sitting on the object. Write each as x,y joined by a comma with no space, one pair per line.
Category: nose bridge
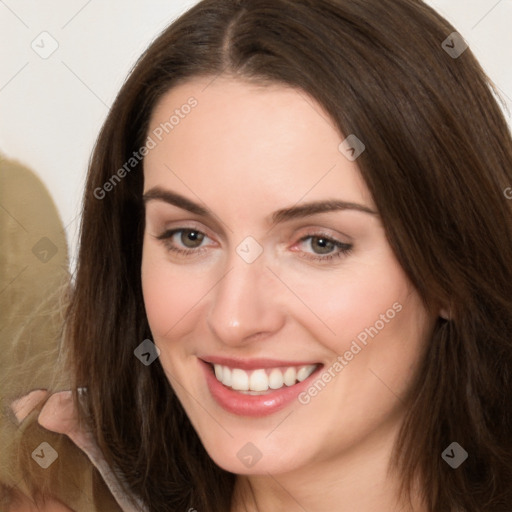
242,304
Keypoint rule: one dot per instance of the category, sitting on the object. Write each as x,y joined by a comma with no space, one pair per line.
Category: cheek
348,301
170,293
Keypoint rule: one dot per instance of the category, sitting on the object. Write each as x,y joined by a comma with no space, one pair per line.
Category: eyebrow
279,216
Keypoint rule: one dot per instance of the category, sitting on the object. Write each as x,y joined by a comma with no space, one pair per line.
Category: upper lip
253,364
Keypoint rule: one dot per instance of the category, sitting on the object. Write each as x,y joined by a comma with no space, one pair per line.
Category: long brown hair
438,158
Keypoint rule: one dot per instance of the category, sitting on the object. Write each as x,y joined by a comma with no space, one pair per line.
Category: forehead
256,143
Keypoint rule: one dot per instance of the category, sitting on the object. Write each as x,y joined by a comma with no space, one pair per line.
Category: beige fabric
33,278
58,415
71,477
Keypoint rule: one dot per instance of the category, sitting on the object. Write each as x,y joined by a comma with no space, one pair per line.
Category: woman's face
265,265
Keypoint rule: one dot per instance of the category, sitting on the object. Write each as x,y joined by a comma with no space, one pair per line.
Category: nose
245,305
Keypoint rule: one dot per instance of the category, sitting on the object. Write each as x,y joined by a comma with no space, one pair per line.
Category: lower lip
253,405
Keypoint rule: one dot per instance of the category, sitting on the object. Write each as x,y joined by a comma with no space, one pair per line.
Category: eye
322,245
323,248
191,238
185,241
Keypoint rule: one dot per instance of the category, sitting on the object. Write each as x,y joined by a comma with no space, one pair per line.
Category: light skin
244,153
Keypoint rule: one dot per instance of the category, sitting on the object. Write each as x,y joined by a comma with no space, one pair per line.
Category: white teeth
226,375
275,379
258,381
262,379
305,372
239,380
290,376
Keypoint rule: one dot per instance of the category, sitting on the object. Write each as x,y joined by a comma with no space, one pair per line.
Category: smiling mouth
263,380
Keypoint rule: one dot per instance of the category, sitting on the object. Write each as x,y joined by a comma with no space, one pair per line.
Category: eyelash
343,248
166,237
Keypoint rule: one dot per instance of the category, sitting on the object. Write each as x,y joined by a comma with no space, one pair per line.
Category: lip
253,364
253,405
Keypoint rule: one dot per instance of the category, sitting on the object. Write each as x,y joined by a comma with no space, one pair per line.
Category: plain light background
51,109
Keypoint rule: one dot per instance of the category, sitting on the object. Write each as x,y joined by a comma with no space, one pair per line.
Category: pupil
324,245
